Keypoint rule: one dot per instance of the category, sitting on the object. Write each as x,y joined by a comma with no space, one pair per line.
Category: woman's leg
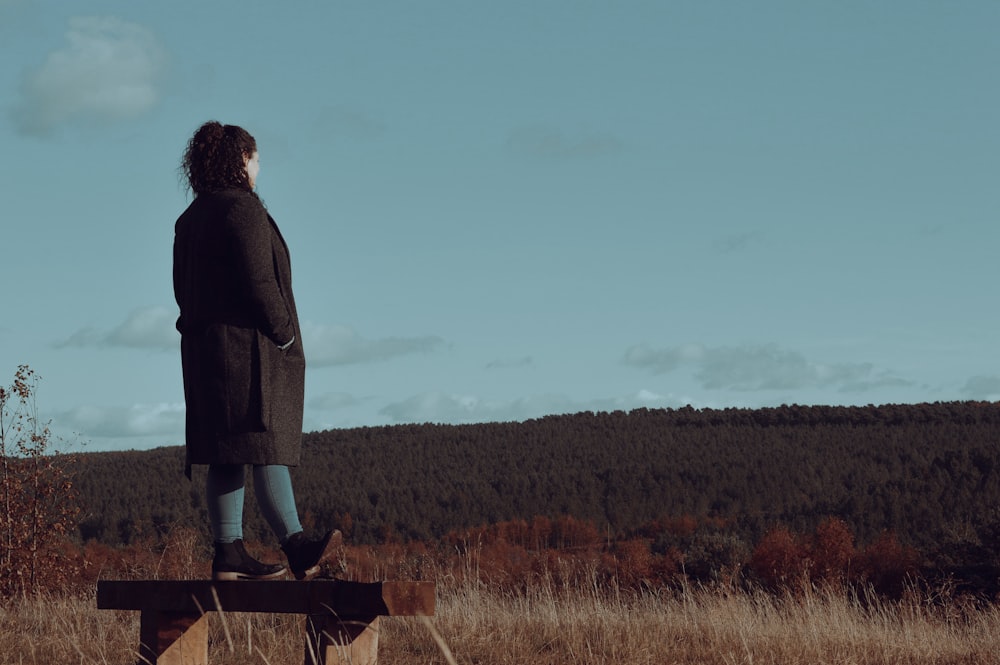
224,489
273,486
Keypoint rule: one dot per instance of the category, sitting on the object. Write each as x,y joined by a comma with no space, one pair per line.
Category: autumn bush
784,560
39,509
888,566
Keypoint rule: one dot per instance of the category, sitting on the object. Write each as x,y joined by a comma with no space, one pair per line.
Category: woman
241,354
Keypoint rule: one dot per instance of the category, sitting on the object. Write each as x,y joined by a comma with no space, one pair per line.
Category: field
478,624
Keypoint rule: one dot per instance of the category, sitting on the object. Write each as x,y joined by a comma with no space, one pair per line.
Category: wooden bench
341,617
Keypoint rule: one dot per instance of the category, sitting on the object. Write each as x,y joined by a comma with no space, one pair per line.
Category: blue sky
503,210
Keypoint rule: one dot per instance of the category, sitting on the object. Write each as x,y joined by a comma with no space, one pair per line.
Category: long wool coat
233,284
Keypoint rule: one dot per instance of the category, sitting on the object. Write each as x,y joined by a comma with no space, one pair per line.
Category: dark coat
233,284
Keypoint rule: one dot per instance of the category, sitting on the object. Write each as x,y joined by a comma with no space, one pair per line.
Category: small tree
779,559
831,551
39,507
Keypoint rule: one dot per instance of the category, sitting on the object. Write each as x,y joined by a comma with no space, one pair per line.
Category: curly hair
215,158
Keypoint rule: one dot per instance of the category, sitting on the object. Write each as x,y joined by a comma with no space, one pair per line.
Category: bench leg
173,638
333,640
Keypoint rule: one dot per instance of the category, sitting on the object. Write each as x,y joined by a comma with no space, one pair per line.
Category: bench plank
342,598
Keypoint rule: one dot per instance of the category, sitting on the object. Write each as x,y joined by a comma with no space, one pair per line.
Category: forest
925,473
754,531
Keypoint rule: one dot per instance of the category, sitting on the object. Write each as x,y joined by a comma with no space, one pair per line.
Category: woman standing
241,354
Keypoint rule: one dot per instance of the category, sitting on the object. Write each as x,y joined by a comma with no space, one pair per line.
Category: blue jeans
272,485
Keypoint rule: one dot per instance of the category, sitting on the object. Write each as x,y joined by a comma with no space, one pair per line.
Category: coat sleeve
250,238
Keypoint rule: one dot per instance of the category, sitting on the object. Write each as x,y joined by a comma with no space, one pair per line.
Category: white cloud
123,421
761,367
327,345
147,327
661,361
334,401
144,328
982,387
439,407
436,407
107,70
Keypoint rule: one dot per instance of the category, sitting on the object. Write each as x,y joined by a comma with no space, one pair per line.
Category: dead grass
584,626
705,627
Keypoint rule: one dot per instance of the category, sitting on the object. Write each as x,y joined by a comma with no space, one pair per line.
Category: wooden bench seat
341,617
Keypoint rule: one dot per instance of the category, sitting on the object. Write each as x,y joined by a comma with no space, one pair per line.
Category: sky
498,211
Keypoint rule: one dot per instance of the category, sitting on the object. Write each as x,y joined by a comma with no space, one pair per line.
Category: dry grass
483,625
703,627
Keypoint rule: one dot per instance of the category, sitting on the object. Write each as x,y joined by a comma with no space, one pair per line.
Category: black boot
305,555
233,562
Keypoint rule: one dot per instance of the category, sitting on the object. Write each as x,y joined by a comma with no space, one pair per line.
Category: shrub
39,506
831,551
779,560
887,565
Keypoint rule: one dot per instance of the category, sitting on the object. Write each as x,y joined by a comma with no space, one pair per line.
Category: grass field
481,625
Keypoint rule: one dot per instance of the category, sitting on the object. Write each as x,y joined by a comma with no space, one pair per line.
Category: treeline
928,473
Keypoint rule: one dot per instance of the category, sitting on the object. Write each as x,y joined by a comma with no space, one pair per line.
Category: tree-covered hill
929,472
